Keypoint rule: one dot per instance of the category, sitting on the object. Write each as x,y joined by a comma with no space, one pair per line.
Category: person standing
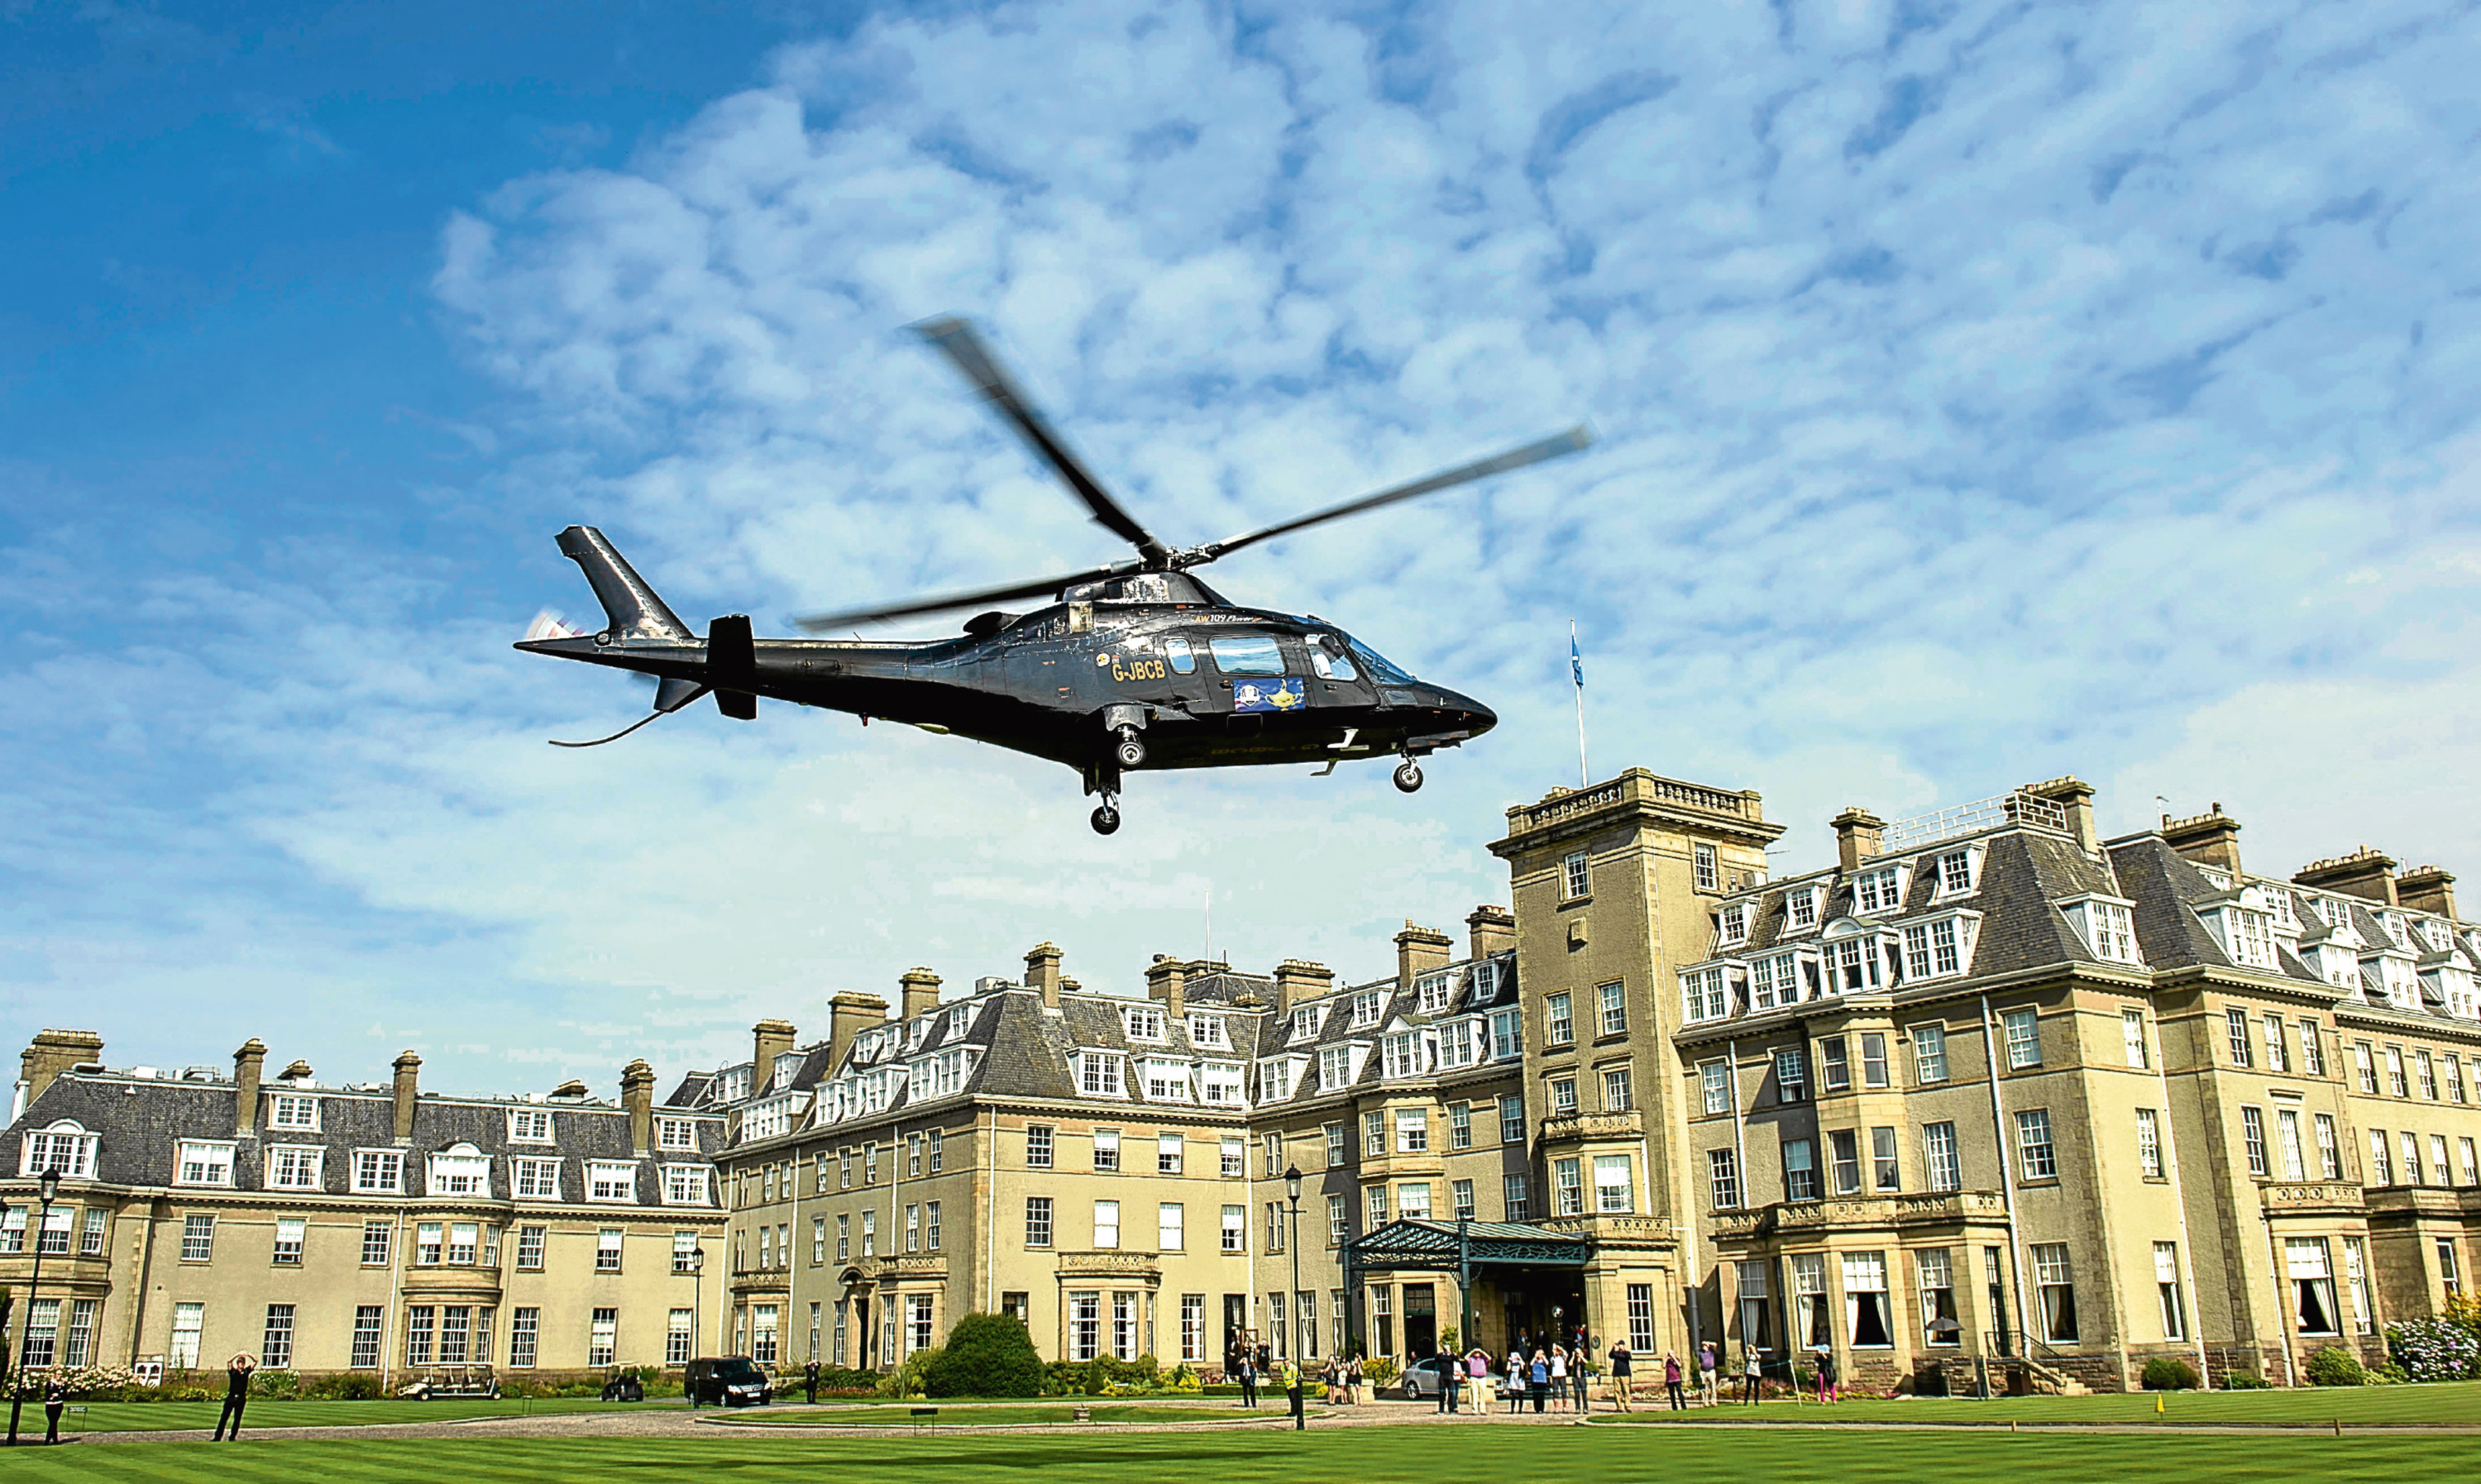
1516,1380
1826,1392
1581,1373
56,1395
1707,1360
810,1383
1559,1374
1450,1374
1623,1364
1751,1372
1477,1367
236,1396
1537,1380
1671,1380
1247,1373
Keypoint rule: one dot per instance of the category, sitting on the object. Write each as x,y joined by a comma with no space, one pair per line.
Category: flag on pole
1576,659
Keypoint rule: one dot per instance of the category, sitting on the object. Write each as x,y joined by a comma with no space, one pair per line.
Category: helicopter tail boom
631,605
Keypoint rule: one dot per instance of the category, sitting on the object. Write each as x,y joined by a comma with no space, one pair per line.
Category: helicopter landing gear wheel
1106,818
1408,776
1130,751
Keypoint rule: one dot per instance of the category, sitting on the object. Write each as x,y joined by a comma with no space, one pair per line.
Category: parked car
729,1381
624,1386
1421,1379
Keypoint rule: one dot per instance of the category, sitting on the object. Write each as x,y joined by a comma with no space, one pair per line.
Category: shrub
2169,1373
2242,1381
987,1355
2434,1349
2335,1366
1378,1371
906,1380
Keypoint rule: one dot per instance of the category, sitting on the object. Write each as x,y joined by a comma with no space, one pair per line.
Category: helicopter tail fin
632,608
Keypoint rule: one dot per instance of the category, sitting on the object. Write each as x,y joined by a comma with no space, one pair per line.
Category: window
1143,1024
676,1133
1037,1148
2412,1159
378,1172
1616,1098
1460,1194
1245,654
2131,1035
2033,1145
365,1353
2330,1148
1412,1130
2365,1067
1235,1230
2428,1071
844,1236
680,1336
1800,906
188,1320
1792,1075
67,1147
1732,923
2058,1293
2356,1276
421,1334
2252,942
2380,1164
1460,1126
1812,1326
460,1169
913,1156
1843,1157
1037,1222
203,1162
91,1235
2024,1032
1575,877
1412,1201
1276,1231
1084,1326
1505,1035
1937,1282
603,1336
2149,1144
1834,1065
1516,1194
1723,1179
293,1167
1558,1029
1107,1149
1567,1187
1511,1119
197,1238
1106,1223
530,1126
2286,1128
529,1248
2437,1160
1099,1074
2312,1285
607,1250
1563,1095
294,1111
1800,1170
1878,890
455,1334
2312,1053
912,1228
1170,1233
2278,1046
2454,1079
1702,863
2395,1081
287,1241
1865,1299
275,1345
1886,1171
2166,1283
1338,1219
1614,1186
1715,1082
612,1182
1873,1058
2253,1138
1167,1154
2449,1274
1614,1008
1703,994
1955,873
2471,1162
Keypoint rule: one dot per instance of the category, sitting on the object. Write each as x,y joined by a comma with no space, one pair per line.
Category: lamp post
1292,1312
697,1290
49,1186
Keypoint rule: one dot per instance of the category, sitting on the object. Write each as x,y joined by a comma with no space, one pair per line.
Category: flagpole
1577,669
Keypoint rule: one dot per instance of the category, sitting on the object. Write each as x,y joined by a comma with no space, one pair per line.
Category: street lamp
1292,1341
697,1290
49,1186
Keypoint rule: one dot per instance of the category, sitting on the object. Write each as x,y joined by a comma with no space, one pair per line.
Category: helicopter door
1259,678
1337,681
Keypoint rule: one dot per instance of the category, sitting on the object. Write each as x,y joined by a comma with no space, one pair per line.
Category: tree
987,1355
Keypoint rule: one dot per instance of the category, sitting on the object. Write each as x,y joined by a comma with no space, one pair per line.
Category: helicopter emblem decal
1284,695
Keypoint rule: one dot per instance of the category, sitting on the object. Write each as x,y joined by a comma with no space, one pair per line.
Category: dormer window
1940,948
1367,1008
1431,992
67,1147
2278,906
1143,1024
1338,1065
1485,981
787,1066
530,1126
1774,980
460,1169
914,1035
1878,890
1704,995
2436,935
1305,1023
294,1113
731,1085
2105,926
1800,906
1206,1032
1856,964
676,1133
2394,924
960,1019
204,1162
1732,923
2245,933
1099,1074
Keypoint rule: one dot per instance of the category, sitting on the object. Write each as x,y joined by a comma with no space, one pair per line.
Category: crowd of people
1550,1375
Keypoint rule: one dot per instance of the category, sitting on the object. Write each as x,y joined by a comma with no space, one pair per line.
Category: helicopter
1131,664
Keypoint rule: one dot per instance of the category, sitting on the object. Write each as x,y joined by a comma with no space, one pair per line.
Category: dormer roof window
1305,1023
2106,927
1780,979
1433,991
1878,890
2243,930
1959,871
1801,904
1367,1008
2278,906
1732,923
1143,1023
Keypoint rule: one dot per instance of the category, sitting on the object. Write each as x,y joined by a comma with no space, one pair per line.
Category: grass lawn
173,1415
1365,1455
2394,1406
988,1415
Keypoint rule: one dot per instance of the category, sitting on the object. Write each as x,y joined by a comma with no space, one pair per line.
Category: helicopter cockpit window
1183,660
1247,654
1329,658
1384,673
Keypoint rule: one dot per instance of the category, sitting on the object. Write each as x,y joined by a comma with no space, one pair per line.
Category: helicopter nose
1462,713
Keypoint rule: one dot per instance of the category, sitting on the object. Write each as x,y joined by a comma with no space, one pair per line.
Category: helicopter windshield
1381,670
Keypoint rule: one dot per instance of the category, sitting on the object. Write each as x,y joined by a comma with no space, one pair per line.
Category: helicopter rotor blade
821,623
964,347
1574,440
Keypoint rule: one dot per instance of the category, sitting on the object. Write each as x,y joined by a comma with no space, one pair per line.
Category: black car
729,1381
624,1386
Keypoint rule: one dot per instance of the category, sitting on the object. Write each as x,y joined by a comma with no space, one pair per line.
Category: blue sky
1987,392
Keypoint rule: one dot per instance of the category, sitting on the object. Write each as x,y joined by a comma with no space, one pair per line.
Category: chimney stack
849,1015
2427,889
1167,980
2075,796
52,1053
1298,981
2366,873
2209,839
1489,930
1859,836
1042,973
408,1085
918,988
1420,950
768,1040
637,1096
248,1063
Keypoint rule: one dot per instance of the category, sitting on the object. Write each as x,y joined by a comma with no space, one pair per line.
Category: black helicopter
1132,664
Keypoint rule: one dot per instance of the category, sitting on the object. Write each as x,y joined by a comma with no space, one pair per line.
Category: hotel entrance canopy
1459,1248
